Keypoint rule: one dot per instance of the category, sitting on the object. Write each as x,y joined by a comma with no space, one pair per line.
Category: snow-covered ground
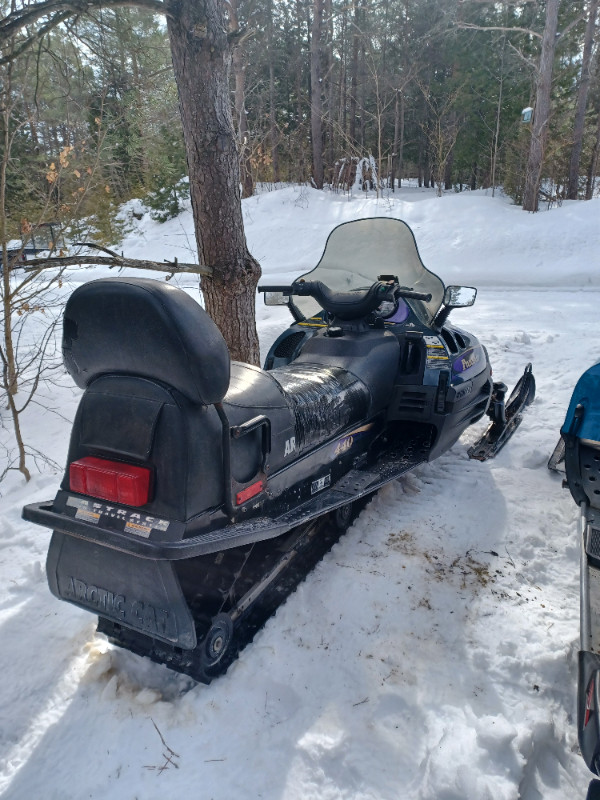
431,655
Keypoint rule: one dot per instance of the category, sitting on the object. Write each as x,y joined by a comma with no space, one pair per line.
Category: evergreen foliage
431,89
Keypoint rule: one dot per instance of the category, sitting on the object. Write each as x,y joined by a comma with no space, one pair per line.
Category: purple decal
466,361
401,313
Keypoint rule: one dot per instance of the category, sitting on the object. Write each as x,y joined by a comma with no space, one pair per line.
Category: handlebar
319,291
410,294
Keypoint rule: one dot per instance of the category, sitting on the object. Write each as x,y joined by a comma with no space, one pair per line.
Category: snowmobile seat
305,403
141,327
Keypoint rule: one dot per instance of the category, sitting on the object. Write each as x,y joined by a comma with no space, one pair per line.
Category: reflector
250,491
110,480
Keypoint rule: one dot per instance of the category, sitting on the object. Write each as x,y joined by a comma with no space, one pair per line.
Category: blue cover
586,392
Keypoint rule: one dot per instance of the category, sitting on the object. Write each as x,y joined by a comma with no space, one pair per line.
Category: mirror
277,299
459,296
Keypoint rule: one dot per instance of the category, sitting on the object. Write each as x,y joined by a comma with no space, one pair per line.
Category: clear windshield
358,252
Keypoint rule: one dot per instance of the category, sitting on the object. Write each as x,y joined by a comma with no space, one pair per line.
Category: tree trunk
343,83
300,93
239,74
316,99
582,95
330,88
201,61
541,114
474,172
448,166
401,146
273,134
593,169
496,137
354,74
395,145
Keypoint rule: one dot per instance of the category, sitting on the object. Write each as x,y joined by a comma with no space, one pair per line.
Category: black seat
142,327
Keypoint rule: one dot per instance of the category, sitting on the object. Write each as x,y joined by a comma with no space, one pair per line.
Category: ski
506,416
556,462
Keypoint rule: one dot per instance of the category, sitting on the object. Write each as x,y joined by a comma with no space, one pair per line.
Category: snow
431,655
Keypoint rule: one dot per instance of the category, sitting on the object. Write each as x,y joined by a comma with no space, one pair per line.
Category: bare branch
570,26
471,26
529,61
173,267
30,14
30,41
58,11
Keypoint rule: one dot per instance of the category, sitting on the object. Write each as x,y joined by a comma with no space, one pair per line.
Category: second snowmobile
578,451
199,491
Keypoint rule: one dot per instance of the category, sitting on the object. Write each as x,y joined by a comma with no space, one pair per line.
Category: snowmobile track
239,619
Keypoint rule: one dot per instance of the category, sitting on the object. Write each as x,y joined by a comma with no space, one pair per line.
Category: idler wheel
342,516
217,640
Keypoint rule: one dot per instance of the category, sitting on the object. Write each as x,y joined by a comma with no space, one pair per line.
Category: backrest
138,326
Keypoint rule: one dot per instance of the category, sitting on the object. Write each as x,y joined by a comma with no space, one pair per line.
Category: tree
316,93
541,113
582,96
201,51
239,74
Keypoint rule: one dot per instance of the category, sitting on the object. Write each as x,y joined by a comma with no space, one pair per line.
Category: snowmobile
199,491
578,456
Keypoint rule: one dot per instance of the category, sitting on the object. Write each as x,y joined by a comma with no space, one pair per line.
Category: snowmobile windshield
357,253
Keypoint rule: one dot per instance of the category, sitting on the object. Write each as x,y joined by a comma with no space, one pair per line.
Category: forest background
427,89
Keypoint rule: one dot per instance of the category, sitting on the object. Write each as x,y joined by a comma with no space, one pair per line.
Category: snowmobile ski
506,416
556,462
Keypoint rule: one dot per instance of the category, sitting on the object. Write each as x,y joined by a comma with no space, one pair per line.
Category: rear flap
142,594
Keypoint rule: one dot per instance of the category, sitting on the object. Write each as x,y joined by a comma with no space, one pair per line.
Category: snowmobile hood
358,252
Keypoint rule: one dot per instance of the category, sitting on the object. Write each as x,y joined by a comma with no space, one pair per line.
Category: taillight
110,480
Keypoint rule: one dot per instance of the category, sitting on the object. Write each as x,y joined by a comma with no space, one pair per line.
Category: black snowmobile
578,452
199,491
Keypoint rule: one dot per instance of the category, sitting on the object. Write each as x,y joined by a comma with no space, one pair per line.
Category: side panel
138,593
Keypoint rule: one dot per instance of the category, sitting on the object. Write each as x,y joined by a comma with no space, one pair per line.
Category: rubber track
311,542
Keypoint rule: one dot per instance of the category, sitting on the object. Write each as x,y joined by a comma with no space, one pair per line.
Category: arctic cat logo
140,615
290,446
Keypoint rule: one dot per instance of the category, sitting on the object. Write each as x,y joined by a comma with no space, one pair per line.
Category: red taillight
248,492
589,703
110,480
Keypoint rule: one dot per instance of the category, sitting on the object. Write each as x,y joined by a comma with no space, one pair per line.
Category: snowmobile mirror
277,299
459,296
